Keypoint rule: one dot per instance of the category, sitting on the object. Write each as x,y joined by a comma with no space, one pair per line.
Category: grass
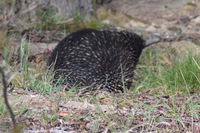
102,19
191,4
34,79
52,22
49,117
162,71
30,76
4,41
168,75
3,110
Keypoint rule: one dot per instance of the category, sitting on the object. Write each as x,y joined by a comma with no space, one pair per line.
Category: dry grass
157,102
152,105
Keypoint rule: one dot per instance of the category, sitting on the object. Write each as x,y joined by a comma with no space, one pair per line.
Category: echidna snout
90,57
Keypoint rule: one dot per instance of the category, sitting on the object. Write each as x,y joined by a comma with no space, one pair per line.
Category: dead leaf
197,128
38,59
63,114
87,106
166,60
106,101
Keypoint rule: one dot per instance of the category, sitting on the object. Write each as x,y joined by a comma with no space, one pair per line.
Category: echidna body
104,59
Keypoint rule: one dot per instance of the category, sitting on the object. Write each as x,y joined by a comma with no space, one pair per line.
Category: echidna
97,58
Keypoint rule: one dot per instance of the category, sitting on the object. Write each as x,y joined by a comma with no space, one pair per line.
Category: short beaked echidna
97,58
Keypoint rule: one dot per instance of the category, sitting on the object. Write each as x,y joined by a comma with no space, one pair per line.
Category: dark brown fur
95,58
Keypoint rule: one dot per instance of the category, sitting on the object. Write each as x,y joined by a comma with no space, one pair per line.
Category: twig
6,97
152,41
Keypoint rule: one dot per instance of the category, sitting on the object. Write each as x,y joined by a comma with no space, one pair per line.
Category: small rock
196,21
133,23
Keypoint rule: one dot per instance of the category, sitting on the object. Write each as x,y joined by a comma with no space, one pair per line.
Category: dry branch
4,82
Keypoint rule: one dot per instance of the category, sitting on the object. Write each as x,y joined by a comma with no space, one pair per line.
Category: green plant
5,46
50,117
191,4
80,22
181,75
30,76
3,109
24,52
47,17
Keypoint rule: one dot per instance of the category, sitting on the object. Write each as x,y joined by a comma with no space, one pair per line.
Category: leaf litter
129,112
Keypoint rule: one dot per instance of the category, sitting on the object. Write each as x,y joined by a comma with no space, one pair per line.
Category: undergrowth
30,76
167,72
161,70
77,21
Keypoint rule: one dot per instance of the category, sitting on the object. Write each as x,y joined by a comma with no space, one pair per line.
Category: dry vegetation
165,96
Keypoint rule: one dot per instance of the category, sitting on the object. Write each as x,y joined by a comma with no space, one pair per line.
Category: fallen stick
4,82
